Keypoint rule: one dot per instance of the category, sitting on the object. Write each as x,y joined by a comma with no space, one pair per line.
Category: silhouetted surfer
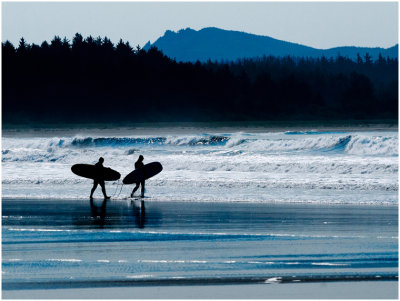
139,164
99,180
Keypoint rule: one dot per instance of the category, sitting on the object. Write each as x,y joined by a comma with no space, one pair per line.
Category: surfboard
92,172
138,175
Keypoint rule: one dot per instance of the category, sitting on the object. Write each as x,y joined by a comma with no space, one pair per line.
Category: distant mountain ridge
188,45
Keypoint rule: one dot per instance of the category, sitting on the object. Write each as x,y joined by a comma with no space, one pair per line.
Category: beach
254,213
126,249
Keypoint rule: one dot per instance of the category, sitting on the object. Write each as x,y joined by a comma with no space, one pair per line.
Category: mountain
218,44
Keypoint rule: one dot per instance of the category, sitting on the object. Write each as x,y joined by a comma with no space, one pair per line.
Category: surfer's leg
103,189
95,183
134,189
142,189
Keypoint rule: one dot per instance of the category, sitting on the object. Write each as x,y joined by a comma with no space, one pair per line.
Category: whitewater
355,167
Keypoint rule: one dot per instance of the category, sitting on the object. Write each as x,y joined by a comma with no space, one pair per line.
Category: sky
317,24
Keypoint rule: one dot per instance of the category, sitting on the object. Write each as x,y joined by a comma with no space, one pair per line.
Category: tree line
90,80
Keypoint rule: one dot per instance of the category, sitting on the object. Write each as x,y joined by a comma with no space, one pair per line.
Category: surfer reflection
98,212
139,165
99,180
140,214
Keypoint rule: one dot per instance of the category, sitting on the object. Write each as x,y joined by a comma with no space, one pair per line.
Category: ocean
229,207
292,166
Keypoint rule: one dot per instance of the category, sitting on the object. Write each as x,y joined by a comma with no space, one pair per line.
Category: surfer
139,164
99,181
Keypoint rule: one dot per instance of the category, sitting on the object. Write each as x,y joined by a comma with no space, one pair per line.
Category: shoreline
155,201
329,290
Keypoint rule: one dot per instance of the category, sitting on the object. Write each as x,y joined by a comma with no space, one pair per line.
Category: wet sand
325,290
125,249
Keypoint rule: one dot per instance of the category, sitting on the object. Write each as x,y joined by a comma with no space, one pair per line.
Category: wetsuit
138,164
99,181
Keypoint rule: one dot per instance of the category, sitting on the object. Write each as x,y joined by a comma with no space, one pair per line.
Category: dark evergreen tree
91,80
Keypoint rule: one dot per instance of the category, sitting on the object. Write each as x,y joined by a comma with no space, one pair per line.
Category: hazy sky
316,24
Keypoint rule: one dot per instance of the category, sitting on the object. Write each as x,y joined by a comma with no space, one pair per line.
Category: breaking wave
350,144
131,141
104,141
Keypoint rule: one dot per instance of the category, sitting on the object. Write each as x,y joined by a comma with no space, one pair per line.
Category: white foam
269,167
64,260
375,145
139,276
38,230
329,264
273,280
172,261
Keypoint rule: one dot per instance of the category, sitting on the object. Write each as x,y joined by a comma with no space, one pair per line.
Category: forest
91,80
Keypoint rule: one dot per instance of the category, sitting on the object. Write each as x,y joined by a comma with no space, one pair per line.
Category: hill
188,45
